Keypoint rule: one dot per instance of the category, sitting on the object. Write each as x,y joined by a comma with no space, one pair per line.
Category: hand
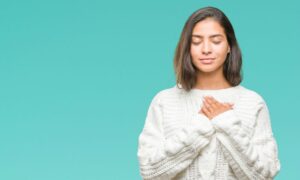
211,107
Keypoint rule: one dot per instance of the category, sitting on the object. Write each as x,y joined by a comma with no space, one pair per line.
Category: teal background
77,77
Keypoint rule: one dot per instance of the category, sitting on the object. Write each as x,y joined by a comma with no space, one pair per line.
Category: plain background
77,77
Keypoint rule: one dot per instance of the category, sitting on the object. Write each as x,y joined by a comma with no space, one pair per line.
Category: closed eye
217,42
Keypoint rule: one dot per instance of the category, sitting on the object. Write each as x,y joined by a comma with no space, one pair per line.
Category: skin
209,41
211,107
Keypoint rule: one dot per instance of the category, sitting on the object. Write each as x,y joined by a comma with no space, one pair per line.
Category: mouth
207,60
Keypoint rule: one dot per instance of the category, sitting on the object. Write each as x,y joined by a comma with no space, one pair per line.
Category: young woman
208,126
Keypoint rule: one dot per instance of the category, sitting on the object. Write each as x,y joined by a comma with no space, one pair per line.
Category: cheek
221,50
194,51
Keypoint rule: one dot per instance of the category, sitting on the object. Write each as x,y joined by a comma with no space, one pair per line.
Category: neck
213,80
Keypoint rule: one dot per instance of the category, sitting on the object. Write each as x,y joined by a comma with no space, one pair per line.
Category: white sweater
179,143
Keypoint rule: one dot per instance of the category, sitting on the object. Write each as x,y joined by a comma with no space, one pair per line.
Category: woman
208,126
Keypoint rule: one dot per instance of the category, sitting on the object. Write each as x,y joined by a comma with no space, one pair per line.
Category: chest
177,112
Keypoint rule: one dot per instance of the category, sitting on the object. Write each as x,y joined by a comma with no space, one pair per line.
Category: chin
207,69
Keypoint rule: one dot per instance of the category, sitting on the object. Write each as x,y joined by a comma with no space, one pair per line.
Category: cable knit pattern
247,142
179,143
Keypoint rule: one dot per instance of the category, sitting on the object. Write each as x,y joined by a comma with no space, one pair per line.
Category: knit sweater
179,143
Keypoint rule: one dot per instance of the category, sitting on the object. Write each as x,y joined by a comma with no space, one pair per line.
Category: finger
206,113
228,105
205,110
205,98
206,101
213,105
209,100
201,111
206,105
213,100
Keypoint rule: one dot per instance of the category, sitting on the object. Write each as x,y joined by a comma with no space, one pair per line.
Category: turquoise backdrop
77,77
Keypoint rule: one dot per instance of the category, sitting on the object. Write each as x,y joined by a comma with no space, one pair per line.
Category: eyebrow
211,36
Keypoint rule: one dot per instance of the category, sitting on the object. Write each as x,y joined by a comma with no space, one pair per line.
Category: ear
228,51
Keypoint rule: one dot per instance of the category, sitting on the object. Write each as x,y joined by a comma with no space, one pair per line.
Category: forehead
208,27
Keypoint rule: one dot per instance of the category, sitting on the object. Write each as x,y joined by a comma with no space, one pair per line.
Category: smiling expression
209,47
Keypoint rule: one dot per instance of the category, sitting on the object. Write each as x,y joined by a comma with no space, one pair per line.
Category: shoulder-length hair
186,72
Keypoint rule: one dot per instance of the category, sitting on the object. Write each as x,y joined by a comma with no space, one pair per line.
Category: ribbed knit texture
178,143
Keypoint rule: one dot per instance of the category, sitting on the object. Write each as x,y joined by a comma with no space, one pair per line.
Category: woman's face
209,46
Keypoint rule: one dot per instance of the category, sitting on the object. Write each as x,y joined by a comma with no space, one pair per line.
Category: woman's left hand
211,107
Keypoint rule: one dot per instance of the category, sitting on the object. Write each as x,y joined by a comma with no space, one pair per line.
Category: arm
250,155
161,158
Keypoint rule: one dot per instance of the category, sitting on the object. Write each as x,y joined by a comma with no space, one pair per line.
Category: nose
206,48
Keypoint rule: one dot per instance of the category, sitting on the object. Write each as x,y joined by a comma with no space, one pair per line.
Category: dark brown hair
186,73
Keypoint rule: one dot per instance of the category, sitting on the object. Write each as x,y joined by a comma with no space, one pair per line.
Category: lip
207,60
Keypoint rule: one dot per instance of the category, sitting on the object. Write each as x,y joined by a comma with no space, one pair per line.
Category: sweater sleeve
250,155
161,158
